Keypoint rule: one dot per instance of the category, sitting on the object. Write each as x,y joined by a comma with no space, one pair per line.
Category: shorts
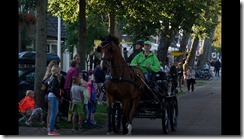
78,109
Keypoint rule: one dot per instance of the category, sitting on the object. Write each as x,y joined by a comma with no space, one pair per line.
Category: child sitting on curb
27,106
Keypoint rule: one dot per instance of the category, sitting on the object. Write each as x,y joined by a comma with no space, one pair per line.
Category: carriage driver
147,61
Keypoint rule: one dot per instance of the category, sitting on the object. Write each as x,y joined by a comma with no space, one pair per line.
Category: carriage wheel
174,115
116,117
165,118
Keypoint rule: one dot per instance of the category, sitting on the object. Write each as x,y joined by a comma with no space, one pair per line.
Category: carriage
159,101
129,95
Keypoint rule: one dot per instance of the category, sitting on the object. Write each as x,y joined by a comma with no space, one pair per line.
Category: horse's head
109,49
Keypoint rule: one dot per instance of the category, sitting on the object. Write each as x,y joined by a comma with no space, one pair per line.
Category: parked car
28,57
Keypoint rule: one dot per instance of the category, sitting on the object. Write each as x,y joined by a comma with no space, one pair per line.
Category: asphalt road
199,114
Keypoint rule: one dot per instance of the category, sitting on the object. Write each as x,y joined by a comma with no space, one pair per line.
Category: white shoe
28,122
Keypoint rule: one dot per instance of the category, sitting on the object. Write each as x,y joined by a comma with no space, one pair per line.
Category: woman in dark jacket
54,87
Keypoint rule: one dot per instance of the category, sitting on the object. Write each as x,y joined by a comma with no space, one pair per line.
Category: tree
41,48
213,38
82,41
77,36
162,18
27,22
72,11
183,44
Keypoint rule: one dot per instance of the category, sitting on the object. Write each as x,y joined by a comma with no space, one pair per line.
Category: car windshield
22,70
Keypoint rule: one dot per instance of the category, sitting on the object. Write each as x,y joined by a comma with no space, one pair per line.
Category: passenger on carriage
138,48
147,61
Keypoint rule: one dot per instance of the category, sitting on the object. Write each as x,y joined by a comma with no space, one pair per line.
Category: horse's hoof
129,127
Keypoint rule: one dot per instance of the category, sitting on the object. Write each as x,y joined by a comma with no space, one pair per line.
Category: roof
52,27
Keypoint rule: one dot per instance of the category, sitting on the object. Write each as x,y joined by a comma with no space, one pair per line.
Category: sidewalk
43,131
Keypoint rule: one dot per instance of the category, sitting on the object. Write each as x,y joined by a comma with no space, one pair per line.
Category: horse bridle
108,60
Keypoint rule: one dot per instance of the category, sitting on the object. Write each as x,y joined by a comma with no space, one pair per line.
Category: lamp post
59,40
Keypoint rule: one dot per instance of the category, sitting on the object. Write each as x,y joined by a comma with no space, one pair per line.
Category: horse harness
125,79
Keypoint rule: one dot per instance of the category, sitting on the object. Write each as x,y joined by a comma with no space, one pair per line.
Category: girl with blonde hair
53,84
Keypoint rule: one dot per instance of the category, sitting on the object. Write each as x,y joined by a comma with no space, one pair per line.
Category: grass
100,118
200,82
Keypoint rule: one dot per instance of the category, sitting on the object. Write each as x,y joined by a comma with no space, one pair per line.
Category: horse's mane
107,39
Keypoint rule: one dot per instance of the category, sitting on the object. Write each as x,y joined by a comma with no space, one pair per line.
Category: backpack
93,92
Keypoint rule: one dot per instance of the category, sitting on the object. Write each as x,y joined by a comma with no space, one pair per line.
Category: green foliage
95,29
72,36
67,10
27,5
217,35
25,38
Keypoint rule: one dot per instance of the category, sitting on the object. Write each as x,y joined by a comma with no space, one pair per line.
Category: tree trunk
183,45
192,53
164,43
204,56
82,51
41,48
112,23
207,47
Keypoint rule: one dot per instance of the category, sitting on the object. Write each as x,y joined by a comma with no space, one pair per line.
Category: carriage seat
160,78
157,76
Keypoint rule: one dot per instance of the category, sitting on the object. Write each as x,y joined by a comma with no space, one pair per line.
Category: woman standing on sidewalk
190,79
53,84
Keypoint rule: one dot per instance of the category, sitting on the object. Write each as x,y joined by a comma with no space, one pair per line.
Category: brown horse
123,83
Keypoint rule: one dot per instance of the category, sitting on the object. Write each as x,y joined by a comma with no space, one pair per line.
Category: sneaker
48,129
55,133
75,128
28,122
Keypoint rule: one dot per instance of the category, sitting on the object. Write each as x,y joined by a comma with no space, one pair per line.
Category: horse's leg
135,104
109,113
125,115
